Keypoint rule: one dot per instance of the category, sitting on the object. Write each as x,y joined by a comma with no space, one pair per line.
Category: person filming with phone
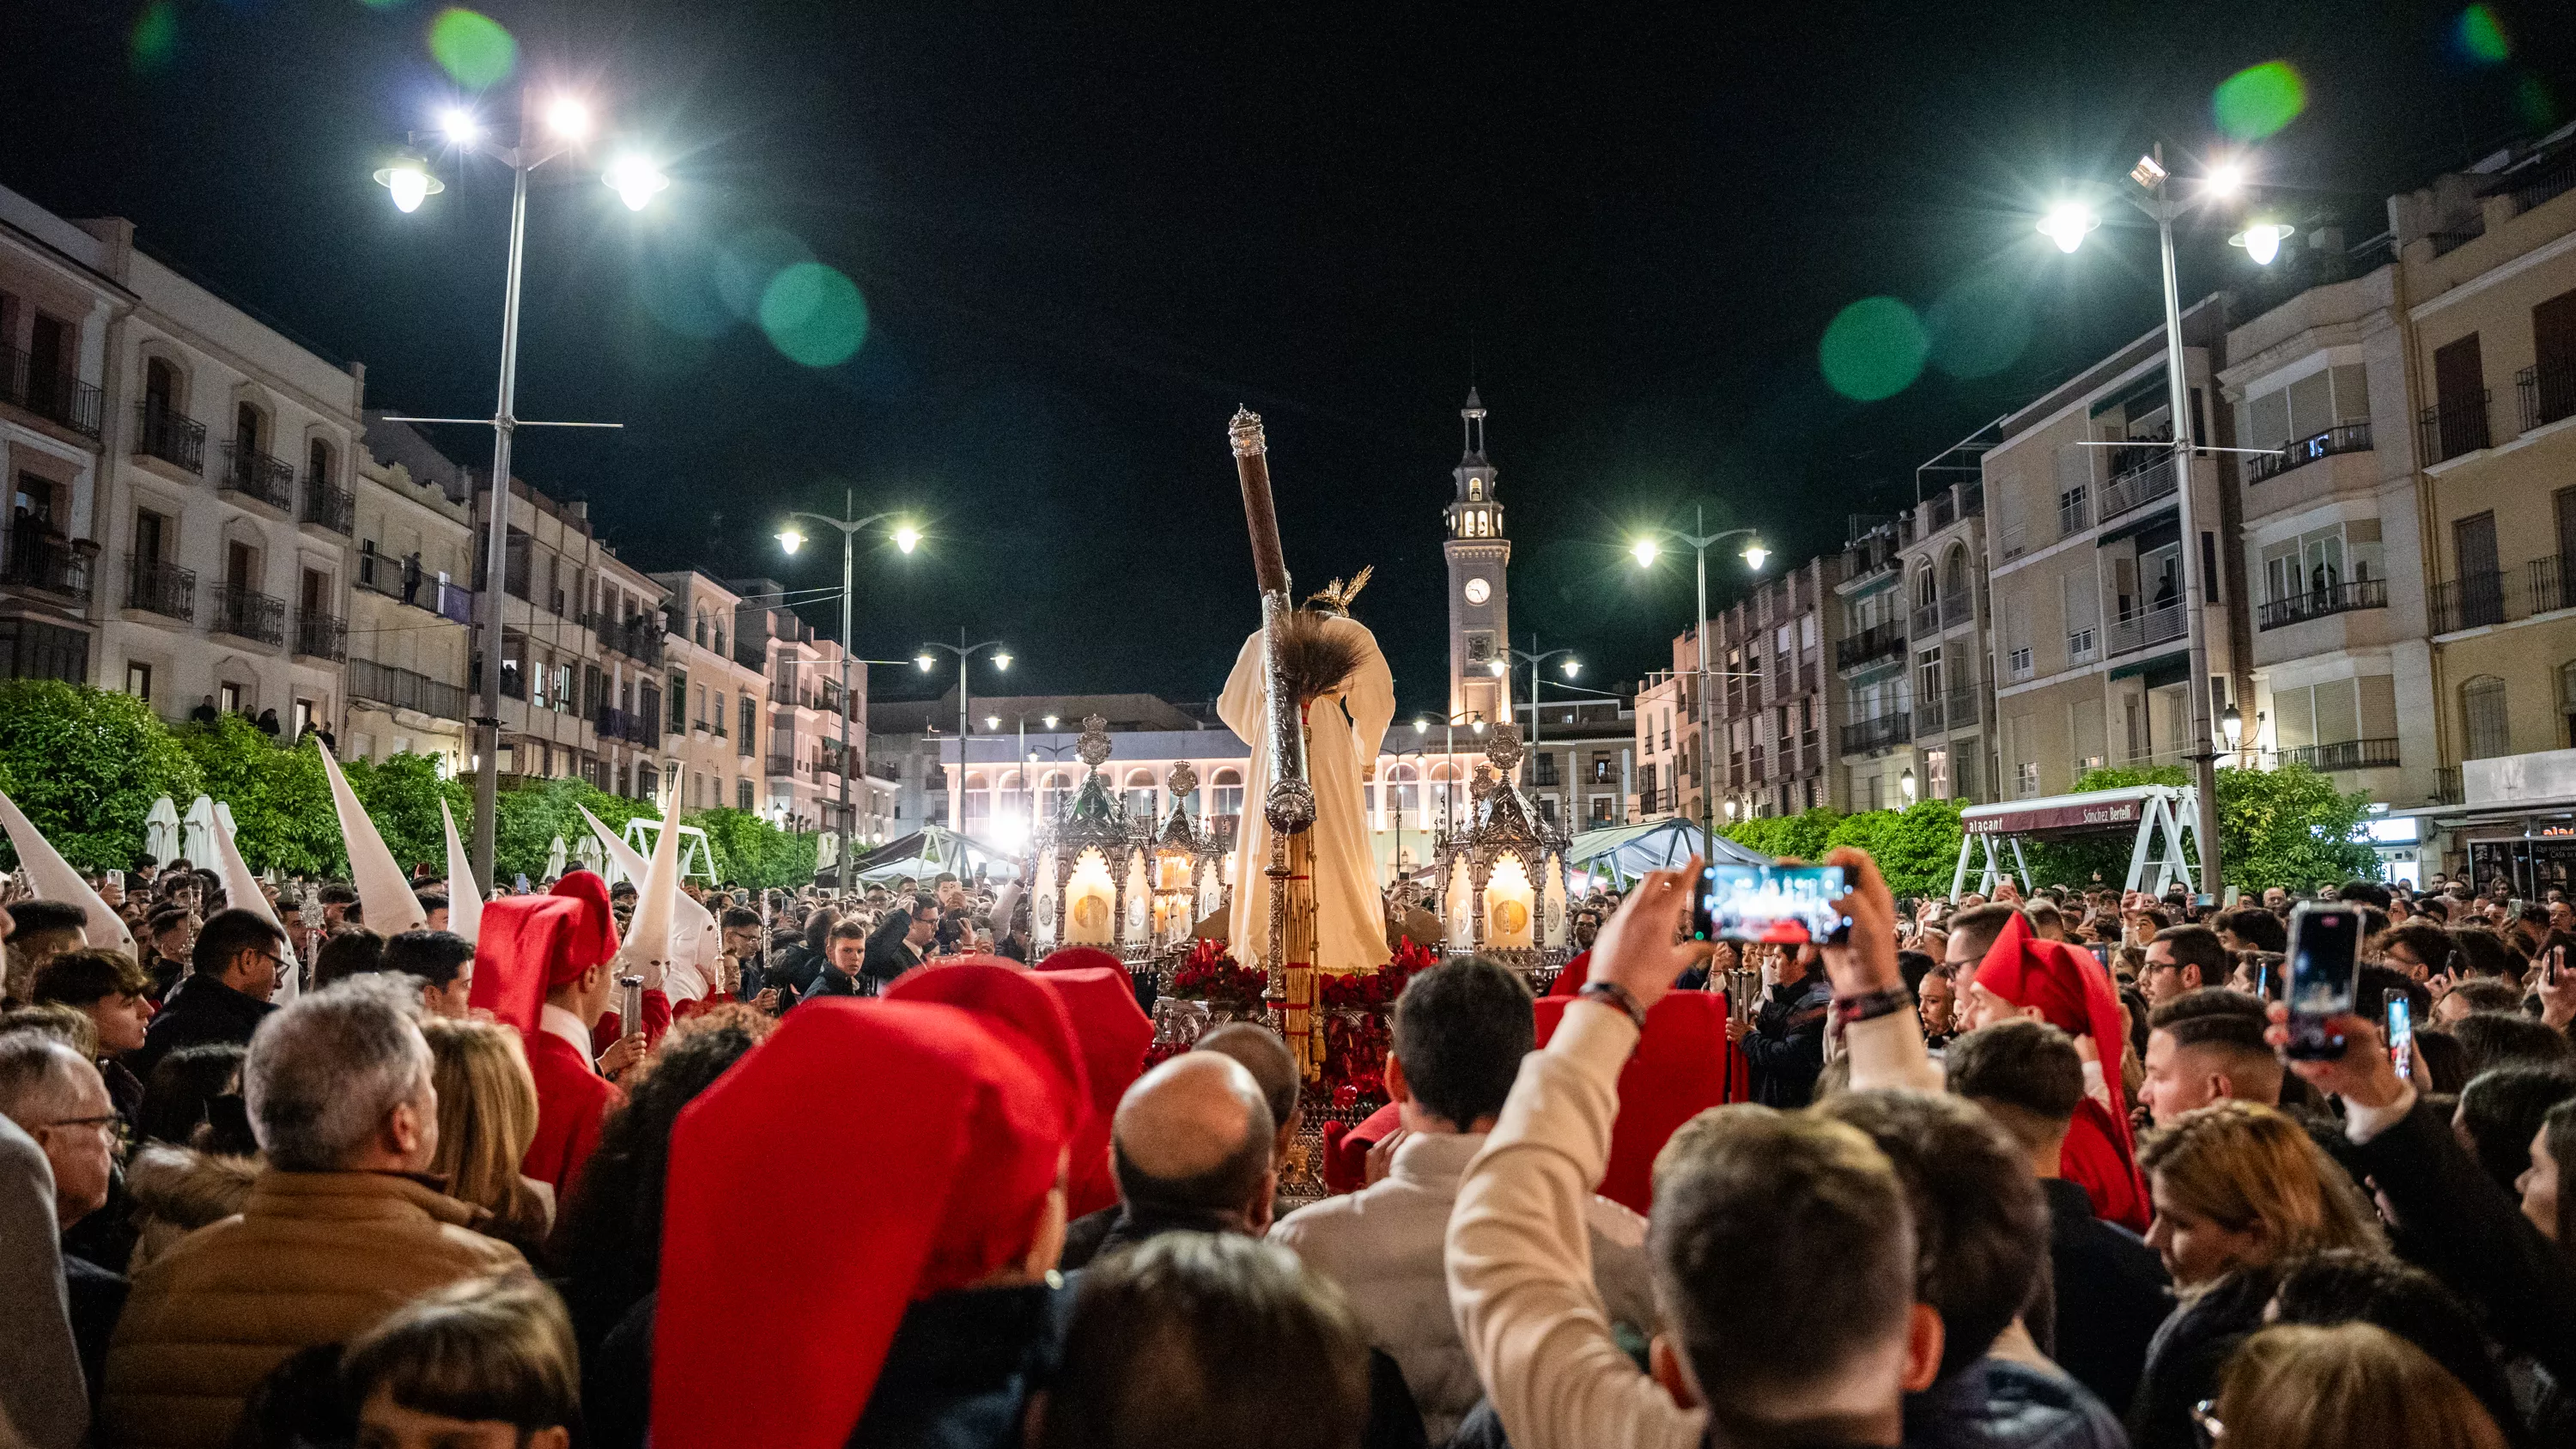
1785,1041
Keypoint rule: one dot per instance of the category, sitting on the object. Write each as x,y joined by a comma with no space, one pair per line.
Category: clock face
1478,591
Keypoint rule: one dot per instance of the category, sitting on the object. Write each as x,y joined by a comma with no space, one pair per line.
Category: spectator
2356,1386
1461,1029
185,1091
43,1395
346,952
1262,1053
2503,1039
113,992
444,962
338,900
1936,999
487,1119
173,1191
39,931
233,973
1160,1339
2251,928
434,908
847,961
1191,1151
337,1230
2418,950
2478,993
2500,1111
2108,1289
2180,959
902,940
2238,1187
2206,1046
53,1094
169,942
1785,1041
2340,1286
2549,1209
483,1361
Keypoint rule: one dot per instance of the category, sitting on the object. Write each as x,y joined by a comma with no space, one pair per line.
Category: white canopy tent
2155,816
929,851
1625,852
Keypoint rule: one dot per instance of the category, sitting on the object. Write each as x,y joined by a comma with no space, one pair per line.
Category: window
1600,809
138,681
1926,589
564,701
2482,710
1601,767
318,462
750,722
1405,795
742,794
303,717
1543,768
1228,783
2319,402
1054,786
1141,800
679,702
228,697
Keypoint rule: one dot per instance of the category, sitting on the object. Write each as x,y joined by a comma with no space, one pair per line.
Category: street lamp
411,182
790,539
1905,785
2231,723
1475,723
1534,659
2262,242
1645,550
964,652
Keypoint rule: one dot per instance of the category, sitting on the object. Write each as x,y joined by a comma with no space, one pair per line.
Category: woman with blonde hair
2353,1386
487,1116
2237,1187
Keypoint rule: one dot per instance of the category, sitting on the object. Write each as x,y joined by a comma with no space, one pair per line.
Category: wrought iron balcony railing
50,391
170,436
2319,602
161,588
249,614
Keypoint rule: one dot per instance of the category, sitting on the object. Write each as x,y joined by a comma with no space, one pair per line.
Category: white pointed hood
623,861
384,892
649,936
464,897
241,889
52,879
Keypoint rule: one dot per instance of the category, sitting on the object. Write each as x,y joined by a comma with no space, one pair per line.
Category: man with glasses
233,973
51,1093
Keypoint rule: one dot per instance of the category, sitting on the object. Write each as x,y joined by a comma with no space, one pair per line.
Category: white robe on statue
1343,732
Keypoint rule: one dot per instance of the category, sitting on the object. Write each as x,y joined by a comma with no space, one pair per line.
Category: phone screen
2325,960
1786,905
2401,1032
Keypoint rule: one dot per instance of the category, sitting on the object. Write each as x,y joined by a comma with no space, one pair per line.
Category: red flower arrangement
1376,990
1357,1032
1213,976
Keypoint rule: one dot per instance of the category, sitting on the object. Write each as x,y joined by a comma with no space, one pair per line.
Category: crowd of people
2033,1170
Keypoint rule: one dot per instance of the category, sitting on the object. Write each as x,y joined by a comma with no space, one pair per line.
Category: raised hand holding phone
1643,946
2557,989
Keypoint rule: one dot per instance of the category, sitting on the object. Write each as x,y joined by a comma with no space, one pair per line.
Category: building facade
1942,552
807,721
60,315
1876,688
410,614
718,688
1777,654
1579,763
1657,784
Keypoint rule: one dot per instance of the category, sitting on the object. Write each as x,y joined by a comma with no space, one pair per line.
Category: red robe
2093,1160
572,1101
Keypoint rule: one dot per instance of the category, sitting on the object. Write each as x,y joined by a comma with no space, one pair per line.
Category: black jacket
201,1010
2111,1295
828,982
1998,1404
1093,1236
889,956
2186,1355
1786,1047
961,1366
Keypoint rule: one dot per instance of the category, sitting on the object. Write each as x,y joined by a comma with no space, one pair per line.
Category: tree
2284,827
1801,836
86,766
279,797
1916,848
401,794
532,815
750,851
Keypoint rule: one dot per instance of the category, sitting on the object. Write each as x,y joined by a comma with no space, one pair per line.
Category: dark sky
1082,239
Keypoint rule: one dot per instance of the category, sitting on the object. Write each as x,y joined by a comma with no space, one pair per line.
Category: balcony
2451,428
2548,393
248,614
2149,627
2346,755
613,723
1957,609
1927,716
2074,512
638,637
780,766
2317,603
50,392
329,506
1925,621
404,689
171,437
1885,732
2141,485
1879,641
160,588
2479,601
319,636
2341,438
255,475
41,561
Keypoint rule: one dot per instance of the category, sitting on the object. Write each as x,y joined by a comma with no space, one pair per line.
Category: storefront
2516,828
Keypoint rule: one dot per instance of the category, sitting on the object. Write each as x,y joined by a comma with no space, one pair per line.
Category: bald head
1264,1055
1194,1135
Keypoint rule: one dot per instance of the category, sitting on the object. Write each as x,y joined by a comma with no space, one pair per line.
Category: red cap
1570,980
1113,1034
1681,1067
1081,958
935,1134
2069,990
528,945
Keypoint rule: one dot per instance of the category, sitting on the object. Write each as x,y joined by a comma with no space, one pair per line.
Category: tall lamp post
636,181
1531,657
1475,722
964,652
2067,224
790,539
1645,550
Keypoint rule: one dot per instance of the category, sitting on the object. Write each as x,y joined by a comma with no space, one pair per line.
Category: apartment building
410,615
801,765
581,649
2084,546
1579,762
1873,685
59,314
1777,650
1656,788
719,685
1942,556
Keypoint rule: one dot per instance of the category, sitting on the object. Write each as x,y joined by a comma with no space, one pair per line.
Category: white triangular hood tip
384,892
241,889
620,854
464,896
52,879
649,936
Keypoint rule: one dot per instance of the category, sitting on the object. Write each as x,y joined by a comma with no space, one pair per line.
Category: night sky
1083,239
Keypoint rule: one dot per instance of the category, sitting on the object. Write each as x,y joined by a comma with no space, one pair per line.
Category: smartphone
2204,902
2549,966
2401,1031
1784,905
2324,972
630,1004
2101,955
2263,980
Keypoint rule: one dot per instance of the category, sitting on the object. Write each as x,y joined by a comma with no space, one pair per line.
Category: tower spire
1471,419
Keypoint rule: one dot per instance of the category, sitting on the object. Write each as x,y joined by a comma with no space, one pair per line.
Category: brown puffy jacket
177,1190
314,1257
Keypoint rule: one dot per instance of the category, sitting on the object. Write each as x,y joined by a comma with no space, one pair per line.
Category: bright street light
2068,223
636,181
1049,721
1645,551
569,119
2224,179
925,661
907,537
1001,661
409,180
459,125
2262,241
791,539
1422,726
1496,669
992,722
1754,554
1572,667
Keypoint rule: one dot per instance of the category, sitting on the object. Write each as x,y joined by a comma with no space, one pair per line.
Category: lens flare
814,314
1979,327
154,41
2481,36
1873,349
2259,100
2068,223
472,48
747,261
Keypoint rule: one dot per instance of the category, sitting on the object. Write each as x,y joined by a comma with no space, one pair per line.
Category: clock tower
1479,607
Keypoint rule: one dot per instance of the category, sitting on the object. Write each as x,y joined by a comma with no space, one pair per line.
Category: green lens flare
472,48
2534,103
2482,36
155,39
1873,349
814,314
2259,100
